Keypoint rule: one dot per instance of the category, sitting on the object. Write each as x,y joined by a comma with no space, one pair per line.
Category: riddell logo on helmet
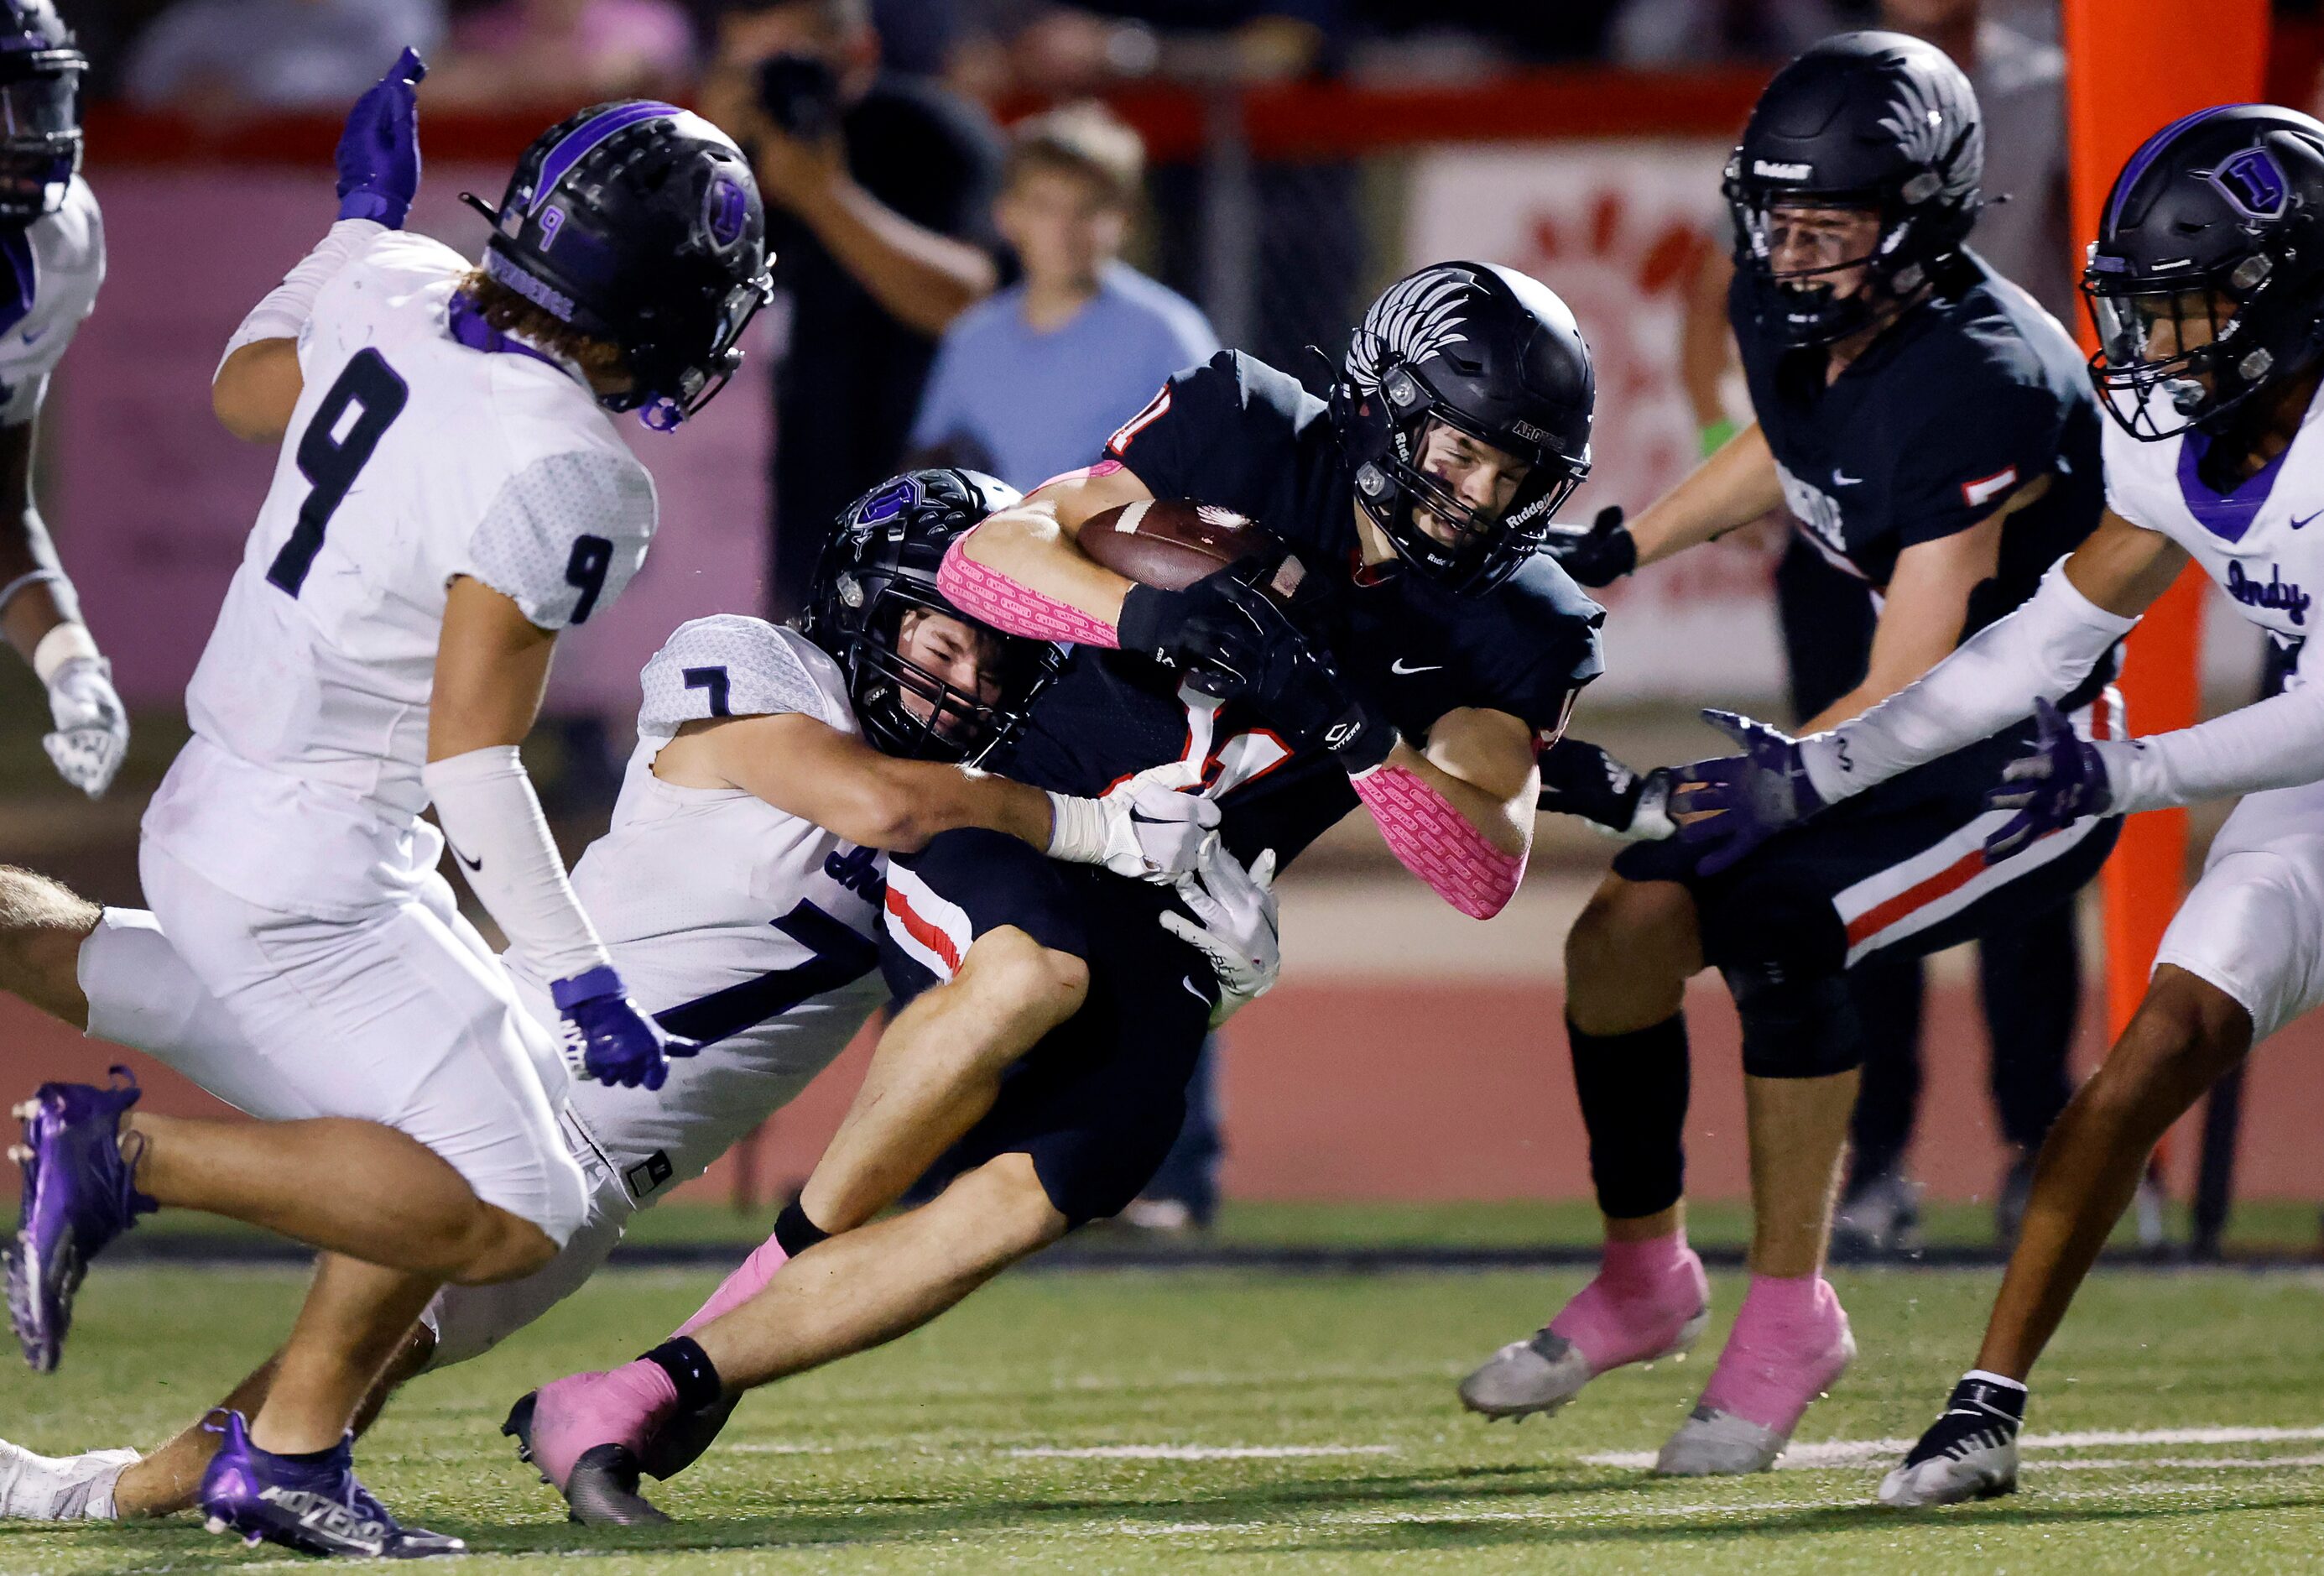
1773,172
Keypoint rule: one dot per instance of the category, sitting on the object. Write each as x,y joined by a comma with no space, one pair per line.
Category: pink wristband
992,597
1437,844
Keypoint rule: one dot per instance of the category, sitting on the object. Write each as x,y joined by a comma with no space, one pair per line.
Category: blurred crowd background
1001,224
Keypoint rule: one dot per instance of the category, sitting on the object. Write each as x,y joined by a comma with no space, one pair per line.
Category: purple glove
607,1038
379,151
2064,780
1740,802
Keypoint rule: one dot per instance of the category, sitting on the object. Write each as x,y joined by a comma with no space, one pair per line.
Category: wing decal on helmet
1415,319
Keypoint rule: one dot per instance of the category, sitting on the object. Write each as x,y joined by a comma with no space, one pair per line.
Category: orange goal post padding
2132,69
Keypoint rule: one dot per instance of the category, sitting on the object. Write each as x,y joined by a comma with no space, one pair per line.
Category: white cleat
36,1487
1969,1453
1977,1472
1545,1372
1712,1443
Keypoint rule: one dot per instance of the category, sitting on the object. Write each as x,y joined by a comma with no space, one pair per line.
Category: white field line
1170,1453
1856,1453
1454,1516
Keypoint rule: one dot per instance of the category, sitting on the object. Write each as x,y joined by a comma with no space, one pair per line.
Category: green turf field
1126,1421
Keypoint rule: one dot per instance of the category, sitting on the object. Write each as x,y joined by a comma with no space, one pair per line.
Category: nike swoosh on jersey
471,864
1840,480
1195,990
1404,670
2299,522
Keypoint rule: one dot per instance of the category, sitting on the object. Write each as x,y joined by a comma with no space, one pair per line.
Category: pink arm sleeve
1436,843
988,595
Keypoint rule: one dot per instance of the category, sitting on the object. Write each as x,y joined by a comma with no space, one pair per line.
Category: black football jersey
1238,434
1964,399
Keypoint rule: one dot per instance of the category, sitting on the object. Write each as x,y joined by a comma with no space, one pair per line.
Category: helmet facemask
40,131
1487,542
911,711
1804,304
2186,351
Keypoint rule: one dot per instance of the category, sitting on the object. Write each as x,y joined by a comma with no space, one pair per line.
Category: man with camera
878,188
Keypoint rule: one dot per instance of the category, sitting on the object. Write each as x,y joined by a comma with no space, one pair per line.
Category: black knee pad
1794,1024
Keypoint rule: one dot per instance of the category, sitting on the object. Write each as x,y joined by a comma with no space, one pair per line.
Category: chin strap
990,597
1435,842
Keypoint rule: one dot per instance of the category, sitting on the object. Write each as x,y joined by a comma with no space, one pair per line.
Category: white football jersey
59,261
411,459
2261,543
737,925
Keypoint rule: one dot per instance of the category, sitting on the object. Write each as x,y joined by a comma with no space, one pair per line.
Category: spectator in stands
879,189
566,53
212,56
1031,382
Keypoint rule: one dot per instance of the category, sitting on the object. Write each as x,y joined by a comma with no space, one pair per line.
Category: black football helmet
1878,121
639,223
39,109
879,565
1494,354
2215,227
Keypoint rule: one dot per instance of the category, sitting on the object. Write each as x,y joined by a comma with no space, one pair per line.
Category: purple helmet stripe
575,143
2152,149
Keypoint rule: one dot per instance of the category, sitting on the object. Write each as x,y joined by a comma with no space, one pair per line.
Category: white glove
92,730
1238,931
1146,828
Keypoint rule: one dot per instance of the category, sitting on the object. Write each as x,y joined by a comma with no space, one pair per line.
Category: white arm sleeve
494,822
2040,651
2277,743
284,311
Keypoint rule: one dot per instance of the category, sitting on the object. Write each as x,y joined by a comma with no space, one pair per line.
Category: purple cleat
313,1506
80,1194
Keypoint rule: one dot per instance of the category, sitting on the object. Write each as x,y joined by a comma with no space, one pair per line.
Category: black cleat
602,1490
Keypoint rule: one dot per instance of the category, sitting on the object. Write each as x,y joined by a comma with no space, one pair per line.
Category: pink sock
749,1278
574,1413
1638,1306
1789,1342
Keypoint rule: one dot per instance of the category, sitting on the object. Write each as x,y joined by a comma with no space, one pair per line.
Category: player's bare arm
256,388
834,779
40,614
1923,610
1737,485
1483,765
491,665
1035,544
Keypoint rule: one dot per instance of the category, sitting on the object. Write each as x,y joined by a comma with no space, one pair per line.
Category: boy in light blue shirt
1030,382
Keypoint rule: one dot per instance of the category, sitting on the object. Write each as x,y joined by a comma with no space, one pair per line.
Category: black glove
1311,707
1222,632
1578,778
1598,555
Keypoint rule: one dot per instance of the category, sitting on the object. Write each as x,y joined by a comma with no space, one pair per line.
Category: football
1169,543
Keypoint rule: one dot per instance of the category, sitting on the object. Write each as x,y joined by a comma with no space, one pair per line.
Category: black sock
794,1232
689,1369
1634,1091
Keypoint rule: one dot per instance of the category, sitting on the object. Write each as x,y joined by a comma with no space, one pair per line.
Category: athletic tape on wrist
64,644
1436,843
992,597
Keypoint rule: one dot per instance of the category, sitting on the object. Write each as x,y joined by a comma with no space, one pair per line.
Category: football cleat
1879,1218
1769,1375
37,1488
585,1434
79,1193
1658,1316
1969,1454
316,1507
1545,1372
